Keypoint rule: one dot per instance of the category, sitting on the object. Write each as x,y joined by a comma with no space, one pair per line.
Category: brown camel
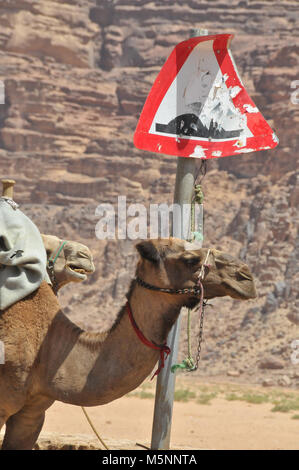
49,358
74,261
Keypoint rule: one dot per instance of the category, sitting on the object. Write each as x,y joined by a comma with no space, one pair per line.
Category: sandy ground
222,424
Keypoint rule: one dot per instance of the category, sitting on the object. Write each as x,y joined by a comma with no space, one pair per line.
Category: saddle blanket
23,259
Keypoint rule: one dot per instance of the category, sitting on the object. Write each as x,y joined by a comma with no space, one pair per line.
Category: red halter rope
163,348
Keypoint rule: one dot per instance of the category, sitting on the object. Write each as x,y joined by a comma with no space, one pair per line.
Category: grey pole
184,184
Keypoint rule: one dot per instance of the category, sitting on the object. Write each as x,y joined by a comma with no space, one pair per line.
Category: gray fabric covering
23,259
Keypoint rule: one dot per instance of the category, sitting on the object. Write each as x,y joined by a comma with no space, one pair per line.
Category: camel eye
221,263
192,261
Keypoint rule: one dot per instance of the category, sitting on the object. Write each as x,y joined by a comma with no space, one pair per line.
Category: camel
74,261
48,358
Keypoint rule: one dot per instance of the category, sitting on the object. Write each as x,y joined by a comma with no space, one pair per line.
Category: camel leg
2,422
24,427
22,431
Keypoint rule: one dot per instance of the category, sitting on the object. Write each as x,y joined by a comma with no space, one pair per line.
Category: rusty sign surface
198,105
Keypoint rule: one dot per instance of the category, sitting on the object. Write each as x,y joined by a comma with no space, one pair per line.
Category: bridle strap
163,348
53,259
197,289
187,290
51,262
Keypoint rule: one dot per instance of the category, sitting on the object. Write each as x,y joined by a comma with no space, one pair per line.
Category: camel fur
48,358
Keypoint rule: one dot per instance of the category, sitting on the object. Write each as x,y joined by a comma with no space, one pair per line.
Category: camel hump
42,299
23,259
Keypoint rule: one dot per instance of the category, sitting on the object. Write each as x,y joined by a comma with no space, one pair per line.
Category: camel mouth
78,273
192,302
242,294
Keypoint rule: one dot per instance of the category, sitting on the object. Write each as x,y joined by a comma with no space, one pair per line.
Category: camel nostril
244,274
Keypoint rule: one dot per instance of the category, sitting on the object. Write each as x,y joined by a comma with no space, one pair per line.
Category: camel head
176,264
73,263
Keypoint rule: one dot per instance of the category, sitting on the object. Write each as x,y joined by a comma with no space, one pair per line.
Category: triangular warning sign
198,106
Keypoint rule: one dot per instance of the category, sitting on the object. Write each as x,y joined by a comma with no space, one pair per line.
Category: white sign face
198,103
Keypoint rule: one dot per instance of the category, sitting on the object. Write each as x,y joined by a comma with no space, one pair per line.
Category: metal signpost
198,108
185,179
183,192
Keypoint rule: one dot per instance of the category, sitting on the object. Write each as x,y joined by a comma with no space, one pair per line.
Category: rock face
76,75
271,363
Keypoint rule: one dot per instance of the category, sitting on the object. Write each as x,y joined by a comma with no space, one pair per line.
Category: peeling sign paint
244,151
275,138
198,152
241,142
218,153
250,109
234,91
219,109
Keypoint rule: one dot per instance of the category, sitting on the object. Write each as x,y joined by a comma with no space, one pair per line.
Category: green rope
188,363
52,260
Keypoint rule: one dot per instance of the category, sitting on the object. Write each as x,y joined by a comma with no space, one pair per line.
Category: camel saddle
23,259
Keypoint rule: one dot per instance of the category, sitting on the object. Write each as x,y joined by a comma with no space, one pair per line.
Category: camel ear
147,250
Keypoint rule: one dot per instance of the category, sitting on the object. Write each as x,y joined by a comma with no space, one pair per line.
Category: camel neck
154,312
92,369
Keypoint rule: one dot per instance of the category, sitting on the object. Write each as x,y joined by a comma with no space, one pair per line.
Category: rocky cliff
76,75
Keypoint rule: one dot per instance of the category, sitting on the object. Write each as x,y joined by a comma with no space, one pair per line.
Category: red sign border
263,136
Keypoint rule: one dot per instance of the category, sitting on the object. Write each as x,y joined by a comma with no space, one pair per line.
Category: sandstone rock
103,13
56,441
32,33
268,382
270,362
250,317
271,303
112,48
284,381
280,288
121,284
293,317
233,373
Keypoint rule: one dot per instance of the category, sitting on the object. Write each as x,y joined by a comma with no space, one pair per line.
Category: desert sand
221,424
